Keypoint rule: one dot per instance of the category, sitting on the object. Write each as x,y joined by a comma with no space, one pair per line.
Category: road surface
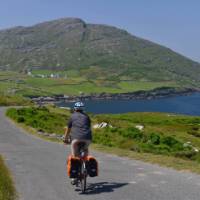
38,168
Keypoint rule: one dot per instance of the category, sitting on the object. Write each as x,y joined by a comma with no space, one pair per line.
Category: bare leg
74,146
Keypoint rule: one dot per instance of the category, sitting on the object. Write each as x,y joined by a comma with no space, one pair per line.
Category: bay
189,105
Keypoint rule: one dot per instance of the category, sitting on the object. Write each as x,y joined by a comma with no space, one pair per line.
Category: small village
51,75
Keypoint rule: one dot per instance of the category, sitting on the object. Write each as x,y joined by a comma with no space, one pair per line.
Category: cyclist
79,128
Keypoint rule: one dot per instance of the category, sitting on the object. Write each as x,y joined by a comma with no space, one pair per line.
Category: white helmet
79,105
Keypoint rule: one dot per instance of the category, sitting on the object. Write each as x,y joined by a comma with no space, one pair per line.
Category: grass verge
7,189
162,160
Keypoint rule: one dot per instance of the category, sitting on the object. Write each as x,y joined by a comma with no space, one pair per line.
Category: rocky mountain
95,50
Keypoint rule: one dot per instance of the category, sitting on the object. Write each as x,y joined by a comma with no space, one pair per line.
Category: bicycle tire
83,179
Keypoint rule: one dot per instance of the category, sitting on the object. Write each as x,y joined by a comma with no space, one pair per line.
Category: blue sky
172,23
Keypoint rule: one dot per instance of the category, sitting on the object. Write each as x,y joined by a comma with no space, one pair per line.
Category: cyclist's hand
67,140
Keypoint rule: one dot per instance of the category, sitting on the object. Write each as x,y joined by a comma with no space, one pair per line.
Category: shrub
20,119
169,141
39,118
12,113
104,138
131,133
154,138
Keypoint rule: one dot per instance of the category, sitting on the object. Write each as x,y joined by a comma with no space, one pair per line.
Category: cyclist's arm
67,132
68,129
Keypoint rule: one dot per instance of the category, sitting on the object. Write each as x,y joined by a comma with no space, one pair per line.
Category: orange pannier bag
92,166
73,166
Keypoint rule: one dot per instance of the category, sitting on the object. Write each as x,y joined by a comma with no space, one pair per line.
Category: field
14,100
70,82
166,136
7,190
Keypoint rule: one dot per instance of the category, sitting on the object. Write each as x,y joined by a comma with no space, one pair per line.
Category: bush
106,138
169,141
135,140
20,119
131,133
154,138
39,118
12,113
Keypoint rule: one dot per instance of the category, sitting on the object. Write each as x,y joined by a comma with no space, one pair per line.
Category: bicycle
81,178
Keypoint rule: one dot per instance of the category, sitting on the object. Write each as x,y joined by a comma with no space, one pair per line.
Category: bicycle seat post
81,149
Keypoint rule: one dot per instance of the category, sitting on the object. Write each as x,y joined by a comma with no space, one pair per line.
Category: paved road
39,171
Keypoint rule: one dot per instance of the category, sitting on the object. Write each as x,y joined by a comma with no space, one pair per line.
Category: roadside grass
162,160
39,118
167,139
7,189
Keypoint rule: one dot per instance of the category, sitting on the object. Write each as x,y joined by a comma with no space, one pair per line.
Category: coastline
157,93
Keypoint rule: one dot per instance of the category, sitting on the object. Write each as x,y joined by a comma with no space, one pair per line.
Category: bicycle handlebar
67,140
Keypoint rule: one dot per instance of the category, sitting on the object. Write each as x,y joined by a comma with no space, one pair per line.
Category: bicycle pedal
74,182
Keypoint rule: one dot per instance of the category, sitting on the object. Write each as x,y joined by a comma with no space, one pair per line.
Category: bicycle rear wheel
83,178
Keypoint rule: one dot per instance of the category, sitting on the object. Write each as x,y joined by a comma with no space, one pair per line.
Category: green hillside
97,53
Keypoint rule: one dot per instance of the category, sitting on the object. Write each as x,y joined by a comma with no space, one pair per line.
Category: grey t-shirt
80,125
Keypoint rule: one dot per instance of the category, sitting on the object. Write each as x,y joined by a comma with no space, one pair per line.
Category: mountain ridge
96,50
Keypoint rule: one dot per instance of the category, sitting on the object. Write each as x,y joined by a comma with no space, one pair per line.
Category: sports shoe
73,181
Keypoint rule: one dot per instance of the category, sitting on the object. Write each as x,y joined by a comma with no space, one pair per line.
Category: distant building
52,75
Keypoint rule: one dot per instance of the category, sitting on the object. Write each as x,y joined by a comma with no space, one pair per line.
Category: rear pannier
92,166
73,166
